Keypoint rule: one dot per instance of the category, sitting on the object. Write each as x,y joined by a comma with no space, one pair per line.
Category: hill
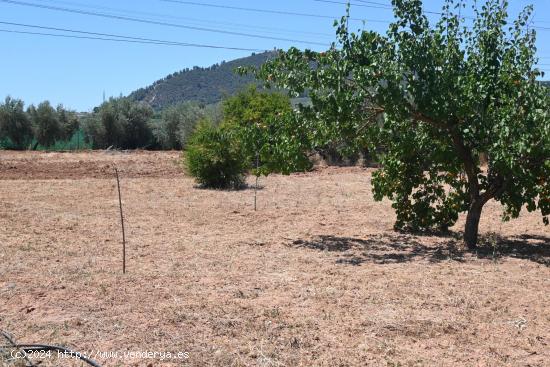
204,85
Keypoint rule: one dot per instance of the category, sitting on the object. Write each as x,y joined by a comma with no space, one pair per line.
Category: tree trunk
472,224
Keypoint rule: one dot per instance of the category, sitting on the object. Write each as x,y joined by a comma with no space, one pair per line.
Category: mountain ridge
206,85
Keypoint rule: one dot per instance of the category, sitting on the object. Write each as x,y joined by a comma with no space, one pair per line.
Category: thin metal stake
122,224
257,176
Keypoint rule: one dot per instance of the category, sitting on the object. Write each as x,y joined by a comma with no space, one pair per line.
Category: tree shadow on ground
400,248
535,248
243,187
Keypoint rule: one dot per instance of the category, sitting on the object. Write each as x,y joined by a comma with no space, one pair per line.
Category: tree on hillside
202,85
15,123
46,125
432,99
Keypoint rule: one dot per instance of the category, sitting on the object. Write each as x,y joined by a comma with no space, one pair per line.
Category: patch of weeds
272,312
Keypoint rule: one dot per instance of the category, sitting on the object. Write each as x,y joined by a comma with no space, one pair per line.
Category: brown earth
76,166
315,277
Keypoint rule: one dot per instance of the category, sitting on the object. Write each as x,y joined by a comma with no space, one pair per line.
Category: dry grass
315,277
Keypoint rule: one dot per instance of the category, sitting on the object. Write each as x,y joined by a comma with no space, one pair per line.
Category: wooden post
122,224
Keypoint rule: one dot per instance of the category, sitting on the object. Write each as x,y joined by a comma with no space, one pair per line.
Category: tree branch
465,155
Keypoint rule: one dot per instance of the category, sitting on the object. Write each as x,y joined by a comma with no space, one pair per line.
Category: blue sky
76,72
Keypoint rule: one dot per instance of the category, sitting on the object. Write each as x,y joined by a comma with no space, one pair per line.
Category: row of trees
38,125
122,123
119,123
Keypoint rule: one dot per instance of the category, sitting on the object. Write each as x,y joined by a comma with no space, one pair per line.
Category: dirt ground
315,277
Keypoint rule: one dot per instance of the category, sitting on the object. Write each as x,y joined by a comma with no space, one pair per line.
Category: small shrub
214,158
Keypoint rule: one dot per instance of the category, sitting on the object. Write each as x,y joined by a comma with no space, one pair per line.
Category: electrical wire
99,38
377,6
145,40
372,2
248,26
268,11
367,4
149,21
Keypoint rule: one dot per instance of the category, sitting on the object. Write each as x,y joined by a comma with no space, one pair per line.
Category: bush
214,158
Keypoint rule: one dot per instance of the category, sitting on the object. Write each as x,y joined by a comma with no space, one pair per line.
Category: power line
83,37
149,21
111,16
380,6
148,40
268,11
193,20
145,40
376,6
367,4
372,2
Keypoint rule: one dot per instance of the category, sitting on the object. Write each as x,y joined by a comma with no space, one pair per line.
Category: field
315,277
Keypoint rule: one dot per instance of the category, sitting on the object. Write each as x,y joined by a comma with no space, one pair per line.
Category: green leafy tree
259,121
46,125
15,123
432,99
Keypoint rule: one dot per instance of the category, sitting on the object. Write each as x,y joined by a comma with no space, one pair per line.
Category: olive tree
431,99
120,123
177,123
46,125
15,123
69,122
